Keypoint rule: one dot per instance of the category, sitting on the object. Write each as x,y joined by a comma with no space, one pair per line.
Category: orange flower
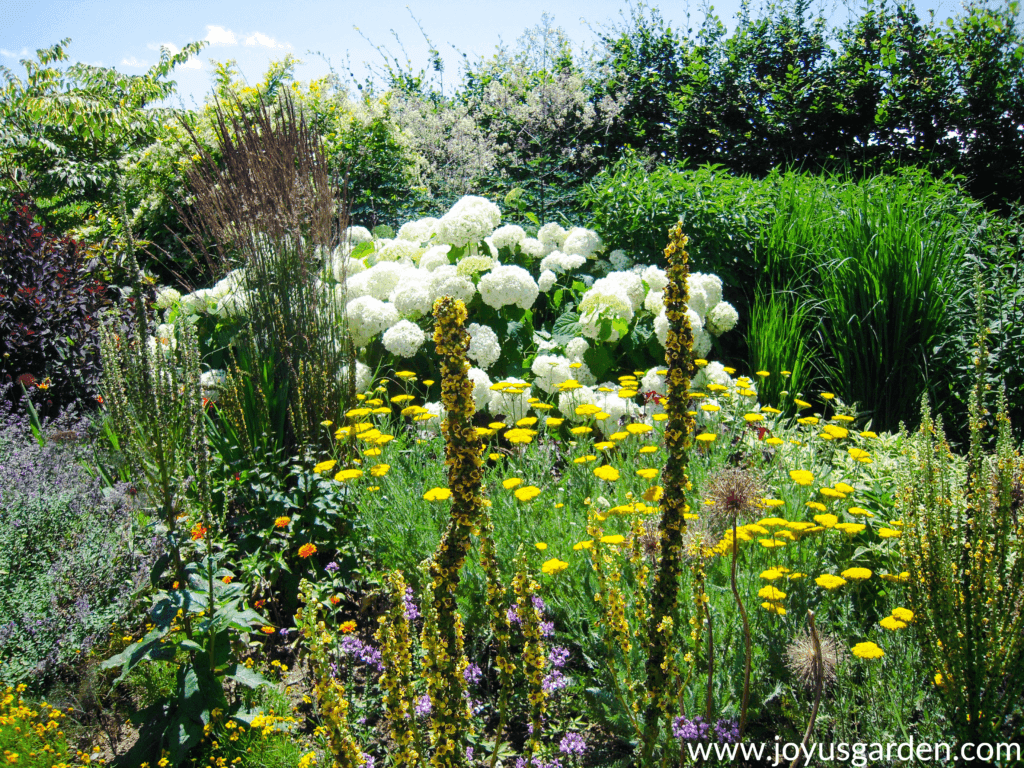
335,599
282,522
347,626
228,579
306,550
267,630
199,531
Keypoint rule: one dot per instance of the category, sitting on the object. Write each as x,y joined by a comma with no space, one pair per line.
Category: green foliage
963,548
64,131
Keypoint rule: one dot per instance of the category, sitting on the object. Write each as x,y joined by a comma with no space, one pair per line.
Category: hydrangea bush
545,302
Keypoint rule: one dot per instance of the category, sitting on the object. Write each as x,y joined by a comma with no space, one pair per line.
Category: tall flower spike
396,681
678,437
450,721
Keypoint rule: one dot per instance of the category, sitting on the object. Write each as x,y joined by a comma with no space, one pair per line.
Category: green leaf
244,676
532,217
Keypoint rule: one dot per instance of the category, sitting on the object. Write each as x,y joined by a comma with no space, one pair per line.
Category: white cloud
131,61
258,38
8,54
219,36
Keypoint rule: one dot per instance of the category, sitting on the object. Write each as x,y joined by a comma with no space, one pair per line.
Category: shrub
72,557
52,300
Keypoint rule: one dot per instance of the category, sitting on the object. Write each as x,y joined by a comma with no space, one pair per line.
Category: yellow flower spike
438,494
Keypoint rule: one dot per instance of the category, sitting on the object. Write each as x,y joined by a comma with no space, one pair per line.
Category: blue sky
128,35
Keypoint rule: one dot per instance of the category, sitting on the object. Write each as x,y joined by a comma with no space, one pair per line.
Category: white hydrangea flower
404,338
212,381
404,251
235,303
435,257
352,288
571,399
382,278
550,371
473,265
543,341
356,235
164,339
412,297
722,318
511,404
576,348
661,327
342,267
701,343
552,235
368,316
559,262
697,299
652,381
481,388
197,302
167,297
508,236
547,280
505,285
616,407
655,277
531,246
607,298
364,376
470,220
654,302
582,242
484,347
619,259
712,373
633,286
446,281
711,285
417,231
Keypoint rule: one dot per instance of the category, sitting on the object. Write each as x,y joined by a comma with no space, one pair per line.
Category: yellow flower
648,474
653,494
829,581
835,432
903,614
867,651
606,472
772,502
527,493
581,430
771,543
888,533
706,437
348,474
801,476
816,505
520,436
324,466
347,626
554,565
511,483
859,511
638,429
774,608
771,574
605,446
551,421
802,403
851,529
529,421
282,522
868,434
808,421
710,407
769,522
750,418
406,375
613,539
826,521
771,593
844,488
541,546
892,623
857,574
583,544
827,396
437,494
380,470
584,459
307,550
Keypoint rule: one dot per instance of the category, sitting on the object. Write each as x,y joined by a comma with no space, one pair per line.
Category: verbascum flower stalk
450,720
525,588
396,680
330,692
497,605
678,438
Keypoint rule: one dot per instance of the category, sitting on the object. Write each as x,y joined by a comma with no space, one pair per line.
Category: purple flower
727,731
547,628
411,611
331,567
512,615
538,604
473,673
367,654
558,656
691,730
572,744
284,631
555,681
422,706
469,753
368,760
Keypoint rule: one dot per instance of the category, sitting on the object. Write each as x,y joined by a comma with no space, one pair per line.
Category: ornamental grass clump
679,430
445,683
963,545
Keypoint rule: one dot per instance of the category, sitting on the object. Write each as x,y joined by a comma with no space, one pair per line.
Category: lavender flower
558,656
727,731
691,730
554,681
572,744
411,611
422,706
331,567
367,654
473,674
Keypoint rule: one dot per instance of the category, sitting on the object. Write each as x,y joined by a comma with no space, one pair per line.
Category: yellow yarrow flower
801,476
867,651
438,494
607,472
527,493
